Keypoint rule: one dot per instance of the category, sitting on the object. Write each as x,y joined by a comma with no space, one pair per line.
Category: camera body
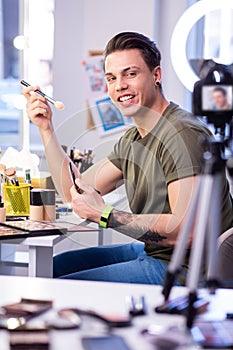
213,96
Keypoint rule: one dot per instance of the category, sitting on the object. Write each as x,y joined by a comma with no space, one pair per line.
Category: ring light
180,35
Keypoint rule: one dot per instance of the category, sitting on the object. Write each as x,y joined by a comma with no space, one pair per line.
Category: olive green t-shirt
172,150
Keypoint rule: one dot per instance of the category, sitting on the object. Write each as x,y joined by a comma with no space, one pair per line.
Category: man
158,160
220,100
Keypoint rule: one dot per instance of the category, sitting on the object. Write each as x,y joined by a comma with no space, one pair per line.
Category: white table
41,250
108,298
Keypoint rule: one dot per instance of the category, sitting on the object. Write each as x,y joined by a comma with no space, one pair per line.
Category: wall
169,13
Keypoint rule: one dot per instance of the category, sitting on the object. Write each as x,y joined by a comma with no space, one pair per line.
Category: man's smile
125,98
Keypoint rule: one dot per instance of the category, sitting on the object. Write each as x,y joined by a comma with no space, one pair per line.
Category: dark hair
133,40
220,89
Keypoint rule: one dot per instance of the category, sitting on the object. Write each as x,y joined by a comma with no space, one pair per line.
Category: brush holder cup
17,199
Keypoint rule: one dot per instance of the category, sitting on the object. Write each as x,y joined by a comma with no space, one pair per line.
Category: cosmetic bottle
27,178
36,205
49,202
2,211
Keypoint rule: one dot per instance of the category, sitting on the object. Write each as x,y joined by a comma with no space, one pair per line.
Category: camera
213,96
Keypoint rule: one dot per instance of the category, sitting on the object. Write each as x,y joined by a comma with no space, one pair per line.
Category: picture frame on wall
107,117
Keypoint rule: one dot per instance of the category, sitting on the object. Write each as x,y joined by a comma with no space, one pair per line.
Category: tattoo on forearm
152,237
131,225
120,218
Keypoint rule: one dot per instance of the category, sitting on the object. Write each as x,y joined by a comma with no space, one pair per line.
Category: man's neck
148,119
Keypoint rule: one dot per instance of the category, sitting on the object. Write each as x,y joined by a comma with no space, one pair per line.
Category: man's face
131,84
219,99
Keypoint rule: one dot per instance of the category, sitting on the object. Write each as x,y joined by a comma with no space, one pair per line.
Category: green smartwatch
105,216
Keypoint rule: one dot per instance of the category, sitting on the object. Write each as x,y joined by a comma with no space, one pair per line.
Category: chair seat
225,258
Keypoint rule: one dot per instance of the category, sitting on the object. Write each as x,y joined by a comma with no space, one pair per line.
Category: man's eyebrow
124,70
130,67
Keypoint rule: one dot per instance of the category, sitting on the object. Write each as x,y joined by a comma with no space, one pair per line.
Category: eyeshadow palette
29,228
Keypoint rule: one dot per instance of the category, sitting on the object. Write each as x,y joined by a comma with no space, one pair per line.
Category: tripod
203,219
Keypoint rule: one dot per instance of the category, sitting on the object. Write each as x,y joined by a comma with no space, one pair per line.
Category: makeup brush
11,175
57,104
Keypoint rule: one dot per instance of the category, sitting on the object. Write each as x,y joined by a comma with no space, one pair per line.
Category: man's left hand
88,205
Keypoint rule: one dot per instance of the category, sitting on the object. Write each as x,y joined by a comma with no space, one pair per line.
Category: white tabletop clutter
109,299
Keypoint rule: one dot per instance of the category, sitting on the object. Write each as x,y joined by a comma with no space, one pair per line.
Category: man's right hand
38,109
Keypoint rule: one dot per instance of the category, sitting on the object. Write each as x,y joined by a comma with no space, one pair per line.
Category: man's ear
157,73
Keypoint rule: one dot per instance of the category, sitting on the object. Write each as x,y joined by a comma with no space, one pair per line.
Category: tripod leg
182,241
213,233
206,190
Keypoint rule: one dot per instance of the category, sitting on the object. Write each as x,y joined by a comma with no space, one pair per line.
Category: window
20,26
9,74
39,54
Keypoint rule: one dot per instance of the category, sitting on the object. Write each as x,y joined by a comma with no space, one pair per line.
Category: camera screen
217,98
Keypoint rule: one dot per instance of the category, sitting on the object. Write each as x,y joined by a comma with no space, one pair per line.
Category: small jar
2,212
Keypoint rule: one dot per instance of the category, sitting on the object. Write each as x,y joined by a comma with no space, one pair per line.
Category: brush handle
50,99
78,189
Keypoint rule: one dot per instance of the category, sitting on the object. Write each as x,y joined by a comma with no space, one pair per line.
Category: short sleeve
121,149
182,155
115,156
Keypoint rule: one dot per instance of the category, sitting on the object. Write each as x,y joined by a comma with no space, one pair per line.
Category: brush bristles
59,105
10,172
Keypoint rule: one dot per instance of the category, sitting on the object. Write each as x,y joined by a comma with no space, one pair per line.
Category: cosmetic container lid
49,197
36,197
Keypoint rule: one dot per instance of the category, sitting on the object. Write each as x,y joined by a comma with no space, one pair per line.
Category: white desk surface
103,297
48,241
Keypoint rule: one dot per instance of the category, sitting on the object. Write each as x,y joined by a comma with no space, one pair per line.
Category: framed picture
107,117
93,77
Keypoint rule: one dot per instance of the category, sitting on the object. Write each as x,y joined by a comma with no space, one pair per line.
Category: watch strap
105,216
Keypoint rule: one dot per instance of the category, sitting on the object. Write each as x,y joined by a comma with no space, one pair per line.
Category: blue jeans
127,263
